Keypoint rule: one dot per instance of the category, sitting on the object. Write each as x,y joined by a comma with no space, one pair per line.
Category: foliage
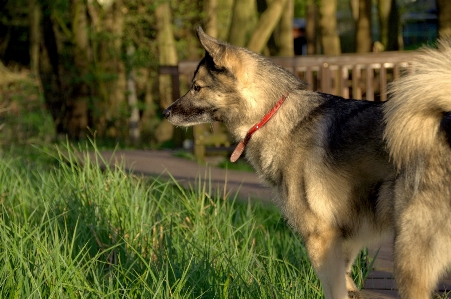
77,230
23,116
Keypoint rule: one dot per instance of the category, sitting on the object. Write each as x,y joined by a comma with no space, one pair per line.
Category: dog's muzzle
167,112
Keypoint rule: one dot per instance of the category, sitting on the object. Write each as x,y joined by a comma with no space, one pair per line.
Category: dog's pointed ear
216,49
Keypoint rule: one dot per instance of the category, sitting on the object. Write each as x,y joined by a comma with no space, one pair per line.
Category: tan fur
417,103
327,160
419,149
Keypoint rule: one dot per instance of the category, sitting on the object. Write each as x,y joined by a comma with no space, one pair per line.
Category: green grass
72,230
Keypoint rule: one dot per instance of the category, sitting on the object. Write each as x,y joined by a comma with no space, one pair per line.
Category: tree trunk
35,36
167,56
107,20
149,119
211,20
224,18
444,18
244,17
389,24
330,40
76,118
266,24
286,46
113,63
133,122
310,27
363,37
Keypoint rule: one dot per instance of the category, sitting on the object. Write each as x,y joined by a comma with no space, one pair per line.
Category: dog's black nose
167,112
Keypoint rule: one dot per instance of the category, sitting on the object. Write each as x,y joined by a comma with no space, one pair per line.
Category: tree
266,25
330,40
389,24
167,56
107,67
244,19
310,27
76,119
211,19
444,18
285,30
34,15
361,11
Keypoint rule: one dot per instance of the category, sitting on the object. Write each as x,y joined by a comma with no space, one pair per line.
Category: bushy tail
419,102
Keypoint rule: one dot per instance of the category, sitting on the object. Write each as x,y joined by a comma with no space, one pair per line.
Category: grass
69,230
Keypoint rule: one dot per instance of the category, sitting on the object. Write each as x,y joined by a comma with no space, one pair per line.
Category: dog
347,173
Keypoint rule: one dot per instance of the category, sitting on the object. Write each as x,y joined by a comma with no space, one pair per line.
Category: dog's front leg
322,239
324,246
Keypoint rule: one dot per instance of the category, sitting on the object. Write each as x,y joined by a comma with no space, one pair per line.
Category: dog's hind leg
421,251
326,256
416,271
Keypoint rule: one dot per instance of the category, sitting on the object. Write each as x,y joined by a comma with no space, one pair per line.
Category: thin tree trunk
211,22
107,19
286,45
266,24
167,56
133,122
389,24
114,63
76,119
148,119
330,40
310,27
224,18
444,18
363,27
243,21
35,36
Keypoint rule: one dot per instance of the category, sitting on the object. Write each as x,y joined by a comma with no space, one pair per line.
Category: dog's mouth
189,117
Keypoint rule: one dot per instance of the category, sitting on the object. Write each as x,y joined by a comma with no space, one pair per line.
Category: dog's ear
216,49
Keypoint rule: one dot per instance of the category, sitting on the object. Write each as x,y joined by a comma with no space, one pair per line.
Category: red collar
240,147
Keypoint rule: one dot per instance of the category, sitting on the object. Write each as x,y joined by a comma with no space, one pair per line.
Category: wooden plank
309,78
356,90
168,70
383,82
325,78
379,294
369,83
380,284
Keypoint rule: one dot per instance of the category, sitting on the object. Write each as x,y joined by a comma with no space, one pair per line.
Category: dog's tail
418,115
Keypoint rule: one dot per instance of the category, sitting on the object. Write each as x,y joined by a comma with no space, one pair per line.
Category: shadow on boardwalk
380,283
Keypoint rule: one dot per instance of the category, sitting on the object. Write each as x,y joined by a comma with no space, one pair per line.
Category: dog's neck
242,144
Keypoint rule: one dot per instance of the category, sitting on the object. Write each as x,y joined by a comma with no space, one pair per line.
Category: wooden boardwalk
381,284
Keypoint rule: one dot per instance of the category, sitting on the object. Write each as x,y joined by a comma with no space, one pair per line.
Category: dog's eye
196,88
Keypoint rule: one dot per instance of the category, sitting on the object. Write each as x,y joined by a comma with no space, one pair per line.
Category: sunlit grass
76,230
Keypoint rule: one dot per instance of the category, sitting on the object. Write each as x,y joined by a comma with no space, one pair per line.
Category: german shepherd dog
347,173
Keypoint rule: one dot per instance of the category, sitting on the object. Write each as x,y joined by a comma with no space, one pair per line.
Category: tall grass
74,230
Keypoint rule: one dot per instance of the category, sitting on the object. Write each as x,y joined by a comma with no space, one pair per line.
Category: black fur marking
445,126
348,125
214,69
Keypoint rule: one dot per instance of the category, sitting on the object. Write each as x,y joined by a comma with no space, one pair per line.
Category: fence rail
358,76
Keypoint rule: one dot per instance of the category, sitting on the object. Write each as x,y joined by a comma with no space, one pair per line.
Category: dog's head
231,85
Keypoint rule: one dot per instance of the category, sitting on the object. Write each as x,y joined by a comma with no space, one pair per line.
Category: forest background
75,68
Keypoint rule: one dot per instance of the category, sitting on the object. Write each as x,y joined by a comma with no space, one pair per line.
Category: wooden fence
358,76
